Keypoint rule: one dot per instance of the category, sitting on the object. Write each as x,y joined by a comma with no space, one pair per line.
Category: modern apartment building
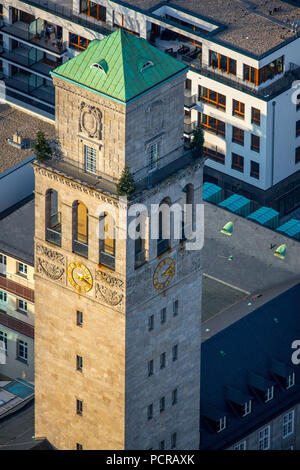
241,87
17,291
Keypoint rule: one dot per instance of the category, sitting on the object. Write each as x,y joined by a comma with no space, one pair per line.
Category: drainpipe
273,142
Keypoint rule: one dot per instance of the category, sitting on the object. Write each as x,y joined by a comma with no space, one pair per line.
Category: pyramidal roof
121,66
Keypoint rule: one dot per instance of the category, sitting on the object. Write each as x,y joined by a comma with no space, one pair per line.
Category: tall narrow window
174,396
22,350
3,342
264,438
161,445
255,116
90,162
254,170
297,155
188,216
79,318
107,241
79,407
297,128
173,440
163,315
163,360
150,411
237,135
163,242
288,424
175,352
175,308
53,218
255,143
79,363
80,229
290,381
150,367
237,162
150,322
238,109
153,156
140,241
162,404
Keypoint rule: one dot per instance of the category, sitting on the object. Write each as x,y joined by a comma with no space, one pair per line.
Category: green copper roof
121,66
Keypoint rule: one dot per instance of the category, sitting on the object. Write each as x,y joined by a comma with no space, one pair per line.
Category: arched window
107,240
164,224
80,228
140,242
53,218
188,215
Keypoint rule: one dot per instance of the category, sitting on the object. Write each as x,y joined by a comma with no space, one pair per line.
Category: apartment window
269,394
254,170
78,42
288,424
238,135
297,155
211,124
163,315
150,368
151,323
255,116
92,9
264,439
217,100
79,318
237,162
3,259
255,143
174,396
223,63
162,404
290,381
250,74
298,102
214,155
161,445
153,156
150,412
90,159
22,350
175,352
79,446
271,70
175,308
22,269
22,305
163,360
173,440
238,109
3,297
297,128
79,406
221,424
3,341
247,408
240,446
79,363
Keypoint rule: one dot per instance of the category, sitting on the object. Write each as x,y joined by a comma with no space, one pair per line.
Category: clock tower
117,328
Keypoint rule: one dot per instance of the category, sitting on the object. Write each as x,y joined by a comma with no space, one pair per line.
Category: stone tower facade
117,320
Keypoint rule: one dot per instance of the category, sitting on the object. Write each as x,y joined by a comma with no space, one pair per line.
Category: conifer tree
41,147
125,185
197,142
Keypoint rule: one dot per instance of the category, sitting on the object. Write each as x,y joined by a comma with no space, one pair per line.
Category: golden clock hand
168,272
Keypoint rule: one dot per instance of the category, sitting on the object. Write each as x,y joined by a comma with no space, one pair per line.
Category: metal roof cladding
125,78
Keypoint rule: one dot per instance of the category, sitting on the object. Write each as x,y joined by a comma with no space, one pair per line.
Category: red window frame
214,155
254,169
238,109
255,143
255,116
207,99
237,162
238,135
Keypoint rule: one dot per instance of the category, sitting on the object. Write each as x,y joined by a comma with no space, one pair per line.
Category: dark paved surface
16,431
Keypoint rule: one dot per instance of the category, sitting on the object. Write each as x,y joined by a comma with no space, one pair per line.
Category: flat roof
13,120
248,25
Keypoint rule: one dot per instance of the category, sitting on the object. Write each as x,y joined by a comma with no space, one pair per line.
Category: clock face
163,273
80,277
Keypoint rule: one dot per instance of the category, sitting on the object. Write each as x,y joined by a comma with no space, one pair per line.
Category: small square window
3,259
22,269
79,446
22,305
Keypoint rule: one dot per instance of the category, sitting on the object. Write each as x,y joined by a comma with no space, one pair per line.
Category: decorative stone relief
154,117
109,288
90,121
49,262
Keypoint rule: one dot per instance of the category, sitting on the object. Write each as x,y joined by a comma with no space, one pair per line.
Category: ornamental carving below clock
90,121
79,277
109,288
164,272
53,272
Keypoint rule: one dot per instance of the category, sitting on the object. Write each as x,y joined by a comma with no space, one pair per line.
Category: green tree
41,147
125,185
197,142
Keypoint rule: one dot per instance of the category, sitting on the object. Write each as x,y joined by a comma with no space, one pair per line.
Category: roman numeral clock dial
163,274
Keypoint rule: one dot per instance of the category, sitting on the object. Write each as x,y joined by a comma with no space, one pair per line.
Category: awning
259,382
281,369
211,412
237,396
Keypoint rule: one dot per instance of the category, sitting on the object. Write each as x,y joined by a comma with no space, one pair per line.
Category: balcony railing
25,57
80,248
21,83
20,30
140,258
190,100
53,236
107,260
162,246
189,127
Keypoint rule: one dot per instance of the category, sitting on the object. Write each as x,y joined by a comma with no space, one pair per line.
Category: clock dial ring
80,277
164,272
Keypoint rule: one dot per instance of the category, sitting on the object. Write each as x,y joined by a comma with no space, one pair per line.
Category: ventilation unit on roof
146,65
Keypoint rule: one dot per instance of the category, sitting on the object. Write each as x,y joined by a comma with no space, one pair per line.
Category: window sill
21,311
24,276
24,361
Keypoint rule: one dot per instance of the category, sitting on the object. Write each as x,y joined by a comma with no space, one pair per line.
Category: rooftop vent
146,65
